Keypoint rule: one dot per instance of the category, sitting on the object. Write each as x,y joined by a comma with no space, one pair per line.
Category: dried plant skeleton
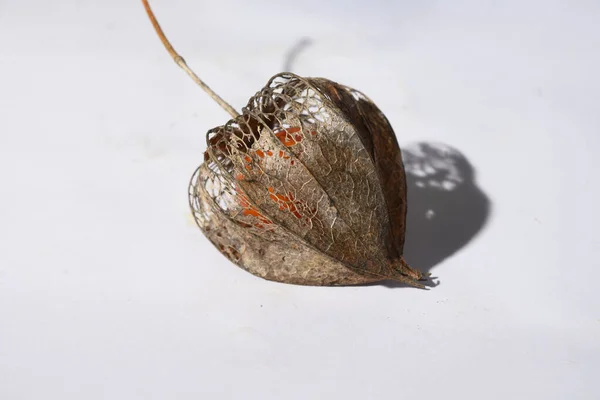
305,186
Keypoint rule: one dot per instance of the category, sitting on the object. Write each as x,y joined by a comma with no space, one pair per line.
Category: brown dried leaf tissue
305,186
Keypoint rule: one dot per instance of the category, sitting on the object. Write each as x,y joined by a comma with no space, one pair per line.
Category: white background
108,290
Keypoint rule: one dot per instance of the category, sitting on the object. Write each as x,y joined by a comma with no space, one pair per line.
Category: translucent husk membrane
306,186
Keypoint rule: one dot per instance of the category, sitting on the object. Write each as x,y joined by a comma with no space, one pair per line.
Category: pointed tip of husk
402,272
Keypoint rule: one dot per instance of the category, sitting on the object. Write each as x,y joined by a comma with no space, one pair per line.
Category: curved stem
181,62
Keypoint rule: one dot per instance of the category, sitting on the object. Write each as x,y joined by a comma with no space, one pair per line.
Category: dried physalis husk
306,186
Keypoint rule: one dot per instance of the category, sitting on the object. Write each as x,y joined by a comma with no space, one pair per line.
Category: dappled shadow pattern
446,209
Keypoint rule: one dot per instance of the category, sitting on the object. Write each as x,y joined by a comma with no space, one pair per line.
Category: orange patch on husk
287,136
249,210
248,161
286,202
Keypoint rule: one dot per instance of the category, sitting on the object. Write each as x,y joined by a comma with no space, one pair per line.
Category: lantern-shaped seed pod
306,186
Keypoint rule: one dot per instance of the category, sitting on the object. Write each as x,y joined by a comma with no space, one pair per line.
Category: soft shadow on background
293,52
446,208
